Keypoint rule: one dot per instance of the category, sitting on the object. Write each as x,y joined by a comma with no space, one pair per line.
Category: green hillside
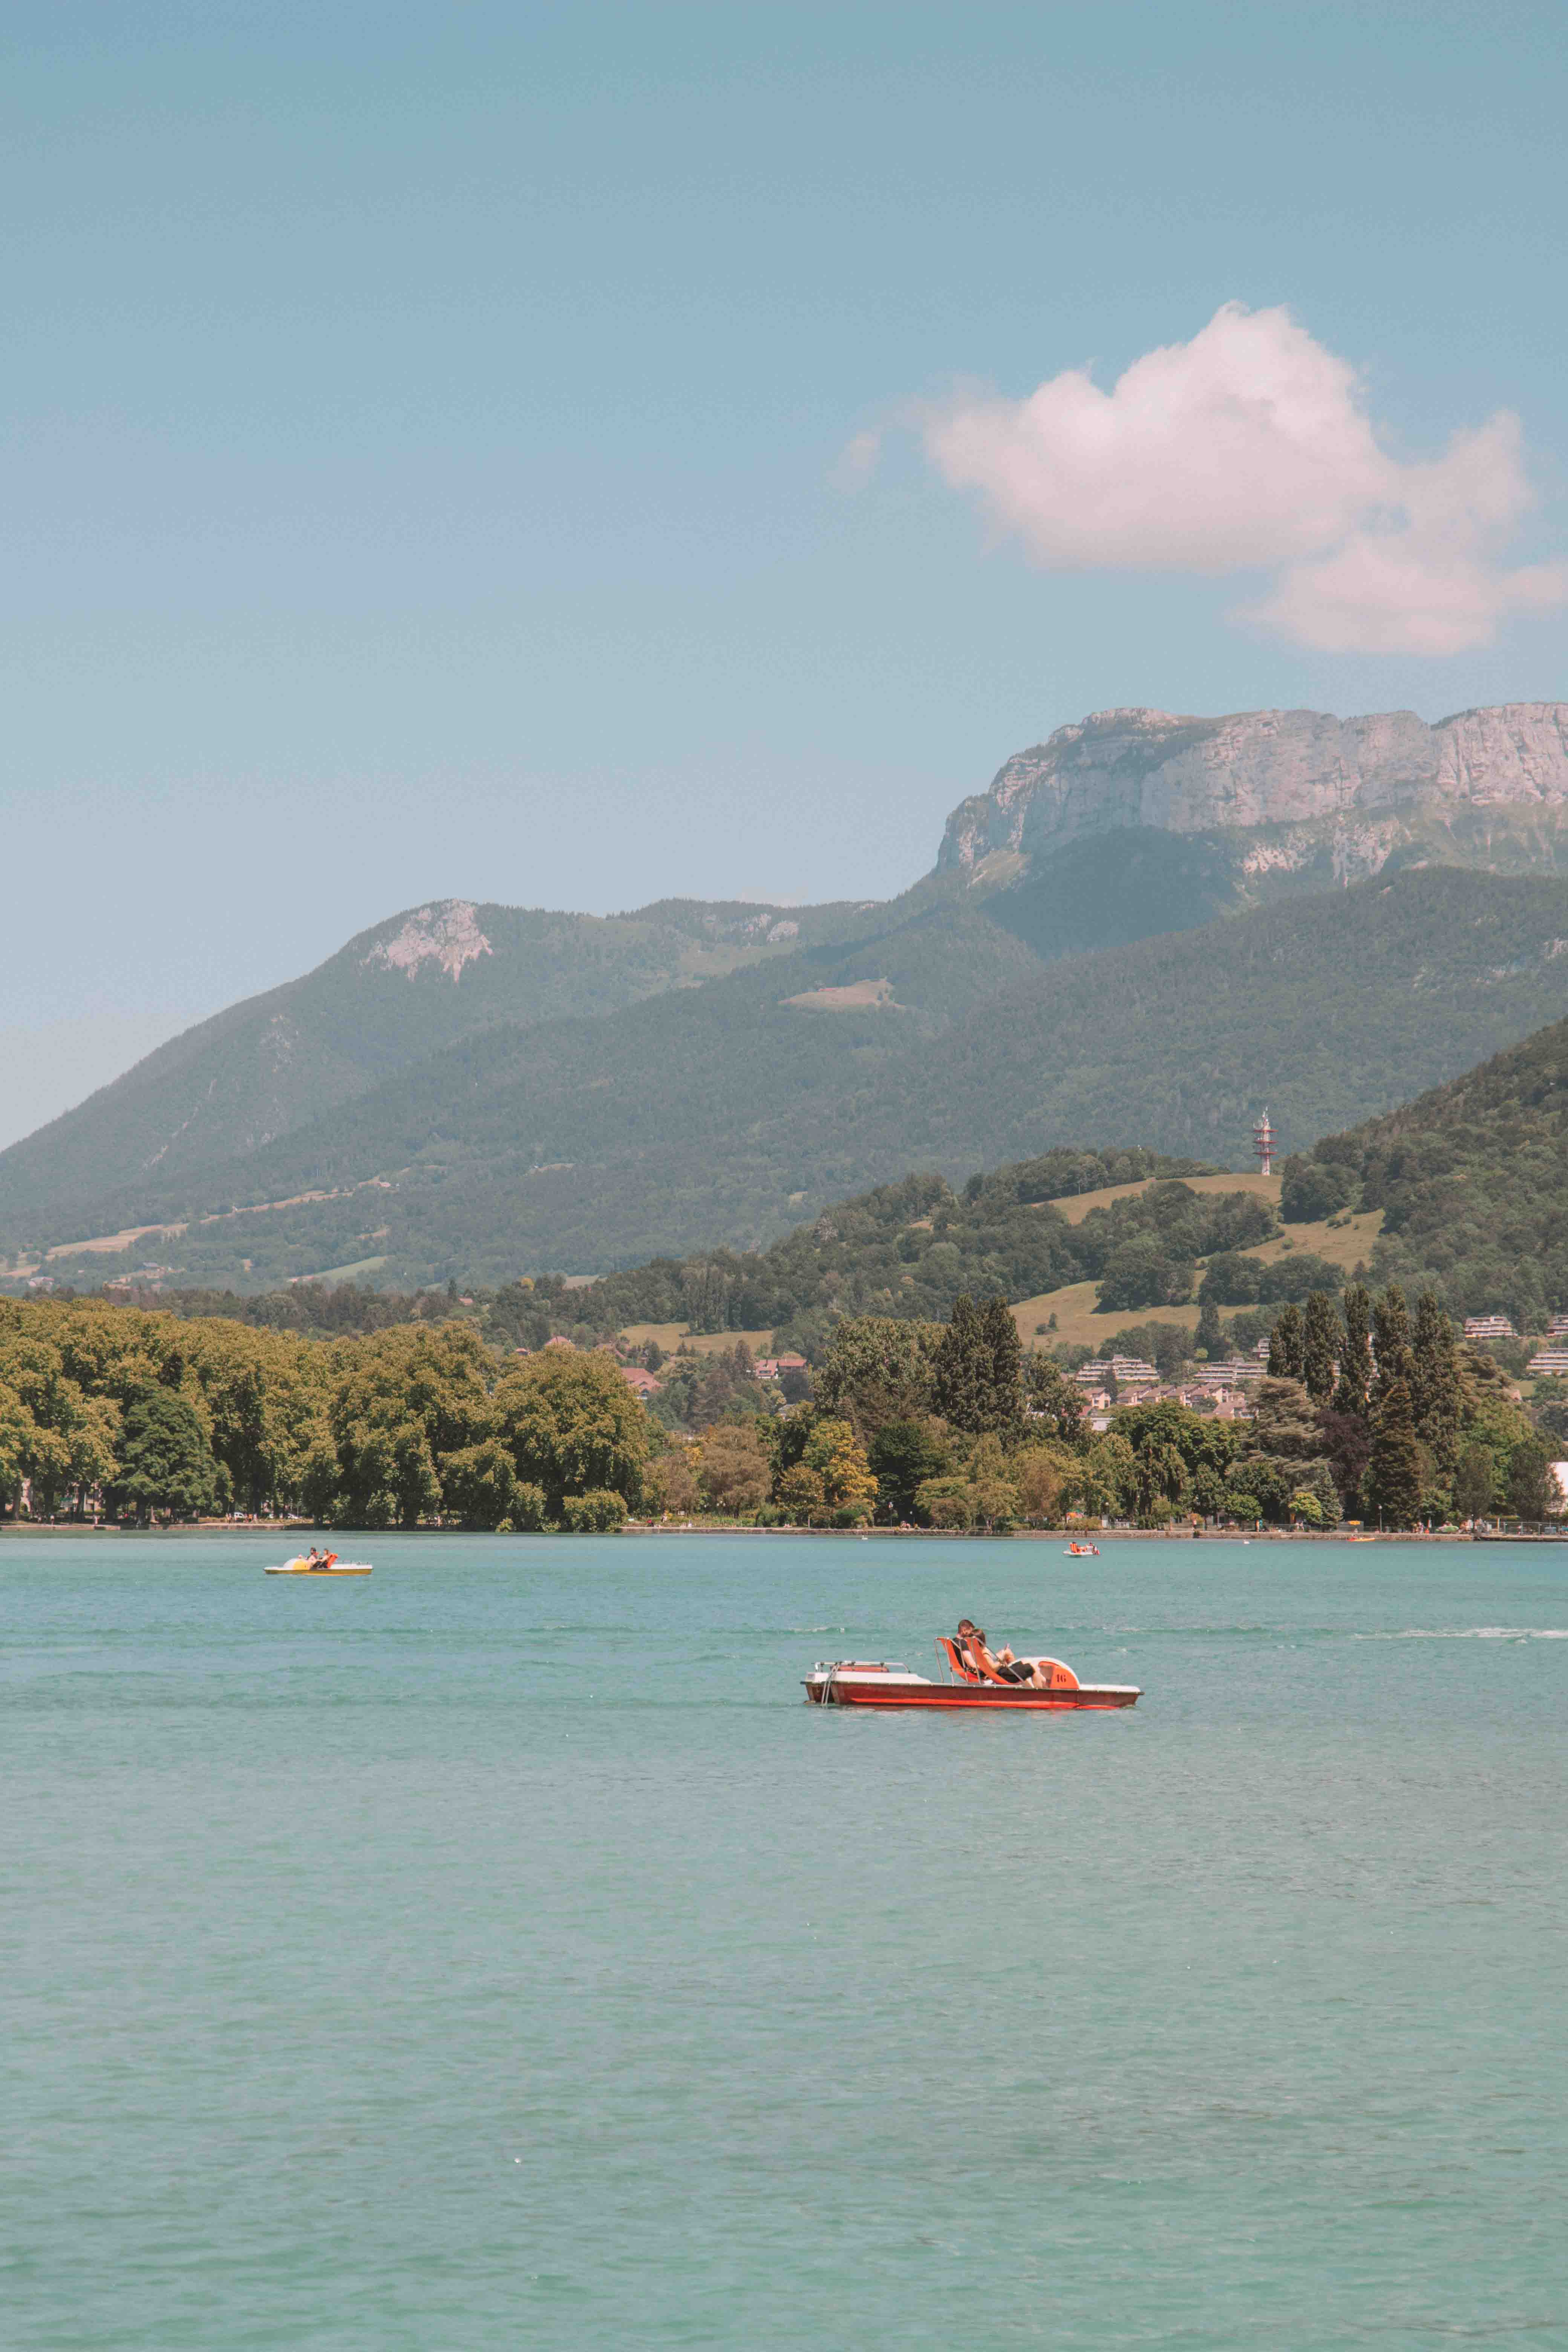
423,980
731,1112
1472,1179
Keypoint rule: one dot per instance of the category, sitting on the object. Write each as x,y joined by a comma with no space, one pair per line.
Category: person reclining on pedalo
1005,1667
972,1639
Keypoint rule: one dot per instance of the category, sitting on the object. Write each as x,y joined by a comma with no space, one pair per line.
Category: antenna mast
1263,1146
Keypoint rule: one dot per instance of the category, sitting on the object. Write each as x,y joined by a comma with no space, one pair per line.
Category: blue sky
426,468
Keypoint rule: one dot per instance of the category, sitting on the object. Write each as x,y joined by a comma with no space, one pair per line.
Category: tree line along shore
136,1416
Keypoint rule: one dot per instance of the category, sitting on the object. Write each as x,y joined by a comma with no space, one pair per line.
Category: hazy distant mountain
728,1113
423,979
478,1089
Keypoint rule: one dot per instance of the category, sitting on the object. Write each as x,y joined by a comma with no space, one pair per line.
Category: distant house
1237,1371
791,1364
1558,1328
1489,1327
1128,1372
642,1382
766,1367
558,1340
1548,1364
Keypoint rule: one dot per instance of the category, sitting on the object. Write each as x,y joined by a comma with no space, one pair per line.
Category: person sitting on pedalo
1005,1667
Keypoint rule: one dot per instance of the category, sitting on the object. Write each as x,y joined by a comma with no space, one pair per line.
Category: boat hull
882,1690
316,1572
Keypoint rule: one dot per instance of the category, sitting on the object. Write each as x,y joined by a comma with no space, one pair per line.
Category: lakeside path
47,1530
498,1951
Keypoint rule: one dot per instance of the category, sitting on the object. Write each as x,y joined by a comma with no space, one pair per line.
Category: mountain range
1146,928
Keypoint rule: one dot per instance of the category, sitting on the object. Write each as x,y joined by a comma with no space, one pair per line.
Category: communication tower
1263,1146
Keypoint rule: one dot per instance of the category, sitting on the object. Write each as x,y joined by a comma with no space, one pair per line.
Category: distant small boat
330,1566
1082,1551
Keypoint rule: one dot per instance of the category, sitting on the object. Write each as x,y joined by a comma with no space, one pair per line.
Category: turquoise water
497,1953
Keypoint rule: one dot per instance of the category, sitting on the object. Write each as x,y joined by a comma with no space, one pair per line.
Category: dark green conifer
1390,1341
979,1374
1354,1384
1435,1382
1286,1343
1319,1345
1391,1490
1006,1355
1210,1338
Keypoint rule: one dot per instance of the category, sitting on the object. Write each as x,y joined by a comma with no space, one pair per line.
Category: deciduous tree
735,1470
902,1456
835,1455
1052,1405
879,1370
800,1492
165,1462
480,1484
597,1512
572,1427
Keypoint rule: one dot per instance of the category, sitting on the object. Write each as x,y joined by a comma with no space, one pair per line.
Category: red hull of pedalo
862,1682
878,1692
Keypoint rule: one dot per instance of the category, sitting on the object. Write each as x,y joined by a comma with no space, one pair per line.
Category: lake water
497,1953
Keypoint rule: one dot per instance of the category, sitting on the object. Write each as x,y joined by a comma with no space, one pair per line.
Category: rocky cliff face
1289,790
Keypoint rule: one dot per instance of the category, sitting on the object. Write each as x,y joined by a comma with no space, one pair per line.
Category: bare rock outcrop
1305,785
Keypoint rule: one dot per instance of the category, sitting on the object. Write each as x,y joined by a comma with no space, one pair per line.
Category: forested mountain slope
423,980
465,1047
730,1113
1472,1179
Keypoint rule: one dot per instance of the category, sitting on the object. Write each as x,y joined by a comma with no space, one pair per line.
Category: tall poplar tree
1391,1341
1210,1338
1286,1345
1392,1486
1319,1345
1354,1383
1435,1382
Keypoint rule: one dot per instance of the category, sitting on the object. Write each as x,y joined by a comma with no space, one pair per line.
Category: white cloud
1249,449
